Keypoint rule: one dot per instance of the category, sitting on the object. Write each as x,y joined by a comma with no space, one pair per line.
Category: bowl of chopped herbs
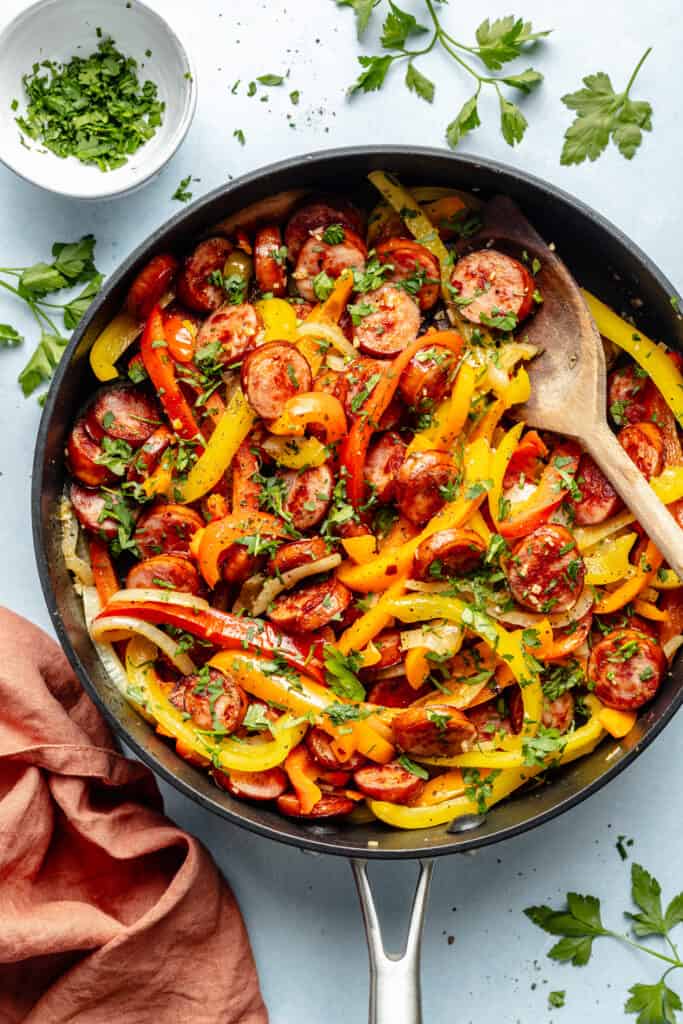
95,95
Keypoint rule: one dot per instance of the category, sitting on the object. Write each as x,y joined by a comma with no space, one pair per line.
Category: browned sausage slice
396,693
490,284
320,257
391,326
308,493
165,572
644,445
559,713
545,571
627,395
82,454
168,530
626,669
233,327
385,458
317,216
423,485
426,378
599,500
414,267
448,553
311,608
260,786
390,782
272,374
320,748
88,505
269,260
148,457
433,731
150,284
489,721
123,413
330,805
195,289
213,700
298,553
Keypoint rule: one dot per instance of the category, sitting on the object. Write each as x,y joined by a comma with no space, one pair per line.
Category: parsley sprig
497,43
580,923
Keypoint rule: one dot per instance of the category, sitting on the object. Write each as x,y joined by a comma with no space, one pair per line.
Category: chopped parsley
341,673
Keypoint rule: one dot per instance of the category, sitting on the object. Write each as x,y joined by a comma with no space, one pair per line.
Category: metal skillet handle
395,996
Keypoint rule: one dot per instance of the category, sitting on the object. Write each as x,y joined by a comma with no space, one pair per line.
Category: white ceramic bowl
58,29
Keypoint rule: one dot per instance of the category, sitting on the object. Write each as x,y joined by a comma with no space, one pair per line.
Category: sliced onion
258,591
328,332
428,588
337,363
439,637
672,645
121,627
558,621
514,352
107,654
74,563
140,595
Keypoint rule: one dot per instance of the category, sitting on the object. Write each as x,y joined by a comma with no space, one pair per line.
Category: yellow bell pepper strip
233,426
110,345
653,358
221,534
316,407
499,465
666,579
302,773
443,787
380,572
225,753
417,666
450,418
668,487
296,452
650,611
401,531
617,723
371,655
327,312
360,549
279,320
478,524
361,632
486,425
608,561
628,591
518,390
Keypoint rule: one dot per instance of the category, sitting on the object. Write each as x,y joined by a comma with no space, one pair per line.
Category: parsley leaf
513,123
9,336
602,114
340,673
372,78
75,310
503,40
539,748
654,1004
419,83
579,924
362,9
181,193
465,121
646,893
397,27
41,365
410,766
270,79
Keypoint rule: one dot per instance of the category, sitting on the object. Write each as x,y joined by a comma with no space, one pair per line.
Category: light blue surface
301,911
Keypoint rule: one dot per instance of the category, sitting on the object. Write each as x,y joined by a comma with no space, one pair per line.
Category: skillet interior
601,258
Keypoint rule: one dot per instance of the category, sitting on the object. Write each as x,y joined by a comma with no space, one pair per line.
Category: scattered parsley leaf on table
270,79
182,194
602,114
9,336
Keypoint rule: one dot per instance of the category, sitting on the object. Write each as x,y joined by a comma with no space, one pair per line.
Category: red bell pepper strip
551,491
525,459
161,370
355,446
230,632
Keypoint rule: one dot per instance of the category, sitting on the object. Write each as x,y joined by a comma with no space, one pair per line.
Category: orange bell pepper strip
303,772
645,571
103,570
417,666
550,492
221,534
315,407
617,723
327,312
159,365
650,611
354,449
181,336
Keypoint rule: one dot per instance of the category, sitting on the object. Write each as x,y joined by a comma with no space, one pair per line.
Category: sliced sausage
237,565
149,456
167,530
298,553
88,505
124,413
392,325
272,374
194,288
414,267
259,786
489,283
82,454
330,805
396,693
320,748
311,608
627,395
545,571
234,328
660,413
599,500
269,260
245,488
166,572
150,285
308,493
213,700
433,731
644,445
422,485
319,257
384,460
559,713
626,669
316,216
427,377
489,721
448,553
390,782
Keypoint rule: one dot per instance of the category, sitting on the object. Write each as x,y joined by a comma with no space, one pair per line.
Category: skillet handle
395,996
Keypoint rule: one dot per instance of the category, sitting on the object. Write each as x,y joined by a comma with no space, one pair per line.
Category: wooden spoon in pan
568,379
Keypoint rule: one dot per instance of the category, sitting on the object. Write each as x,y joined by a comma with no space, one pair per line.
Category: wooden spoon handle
637,494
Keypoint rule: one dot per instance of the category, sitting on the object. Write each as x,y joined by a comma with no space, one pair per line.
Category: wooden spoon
568,385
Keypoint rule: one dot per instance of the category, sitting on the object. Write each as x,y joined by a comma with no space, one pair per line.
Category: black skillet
604,261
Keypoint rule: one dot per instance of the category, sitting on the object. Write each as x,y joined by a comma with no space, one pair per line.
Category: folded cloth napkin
108,912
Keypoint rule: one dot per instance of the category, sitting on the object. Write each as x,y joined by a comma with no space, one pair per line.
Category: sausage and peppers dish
317,551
